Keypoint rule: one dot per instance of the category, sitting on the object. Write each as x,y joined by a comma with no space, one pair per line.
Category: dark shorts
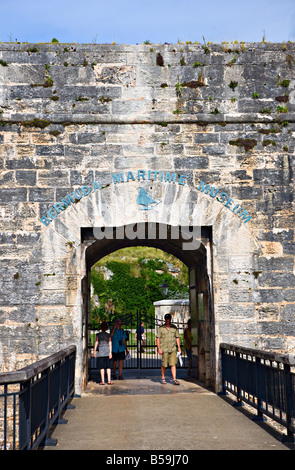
189,353
118,356
104,362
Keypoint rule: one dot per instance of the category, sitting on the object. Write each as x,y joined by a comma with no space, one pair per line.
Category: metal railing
263,380
33,398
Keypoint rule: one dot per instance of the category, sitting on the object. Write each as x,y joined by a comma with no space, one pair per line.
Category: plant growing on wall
160,60
233,85
282,109
247,144
206,48
178,87
284,83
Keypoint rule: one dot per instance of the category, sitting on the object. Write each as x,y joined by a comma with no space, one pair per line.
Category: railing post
68,364
289,403
259,416
5,416
223,390
24,419
237,374
48,441
68,405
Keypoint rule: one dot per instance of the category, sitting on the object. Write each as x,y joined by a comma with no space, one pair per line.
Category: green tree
135,277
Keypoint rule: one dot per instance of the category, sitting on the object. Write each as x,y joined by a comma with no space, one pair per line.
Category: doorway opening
138,285
198,260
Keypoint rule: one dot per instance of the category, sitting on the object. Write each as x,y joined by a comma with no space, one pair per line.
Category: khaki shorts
169,358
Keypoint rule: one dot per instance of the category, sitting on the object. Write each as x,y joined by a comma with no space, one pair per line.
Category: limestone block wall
210,125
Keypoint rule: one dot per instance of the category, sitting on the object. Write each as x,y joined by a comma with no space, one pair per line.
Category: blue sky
135,21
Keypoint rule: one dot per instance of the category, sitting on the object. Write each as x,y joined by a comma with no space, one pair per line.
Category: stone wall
211,126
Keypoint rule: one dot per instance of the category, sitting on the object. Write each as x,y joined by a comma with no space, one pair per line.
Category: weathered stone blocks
72,116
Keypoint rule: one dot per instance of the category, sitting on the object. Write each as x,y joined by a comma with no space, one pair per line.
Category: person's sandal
102,383
175,382
120,377
163,381
110,383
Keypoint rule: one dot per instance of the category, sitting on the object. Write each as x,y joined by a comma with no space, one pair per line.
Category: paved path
140,413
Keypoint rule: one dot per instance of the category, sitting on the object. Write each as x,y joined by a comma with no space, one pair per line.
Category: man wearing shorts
168,343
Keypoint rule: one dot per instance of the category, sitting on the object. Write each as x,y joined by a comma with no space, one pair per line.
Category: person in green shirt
168,343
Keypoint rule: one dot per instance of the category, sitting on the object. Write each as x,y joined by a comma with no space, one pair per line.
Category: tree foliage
132,279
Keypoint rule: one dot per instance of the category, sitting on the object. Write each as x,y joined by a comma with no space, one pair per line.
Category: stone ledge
73,47
30,371
202,119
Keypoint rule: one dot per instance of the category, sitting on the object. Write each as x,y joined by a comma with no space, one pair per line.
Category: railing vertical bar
47,401
269,386
258,374
29,416
68,376
59,385
289,401
237,363
223,359
5,417
14,422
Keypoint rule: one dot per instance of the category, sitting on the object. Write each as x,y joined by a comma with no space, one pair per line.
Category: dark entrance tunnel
172,244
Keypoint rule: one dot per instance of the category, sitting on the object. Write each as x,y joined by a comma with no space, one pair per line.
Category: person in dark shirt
119,346
140,337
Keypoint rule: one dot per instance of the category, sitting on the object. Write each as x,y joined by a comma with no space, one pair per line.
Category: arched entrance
219,249
182,243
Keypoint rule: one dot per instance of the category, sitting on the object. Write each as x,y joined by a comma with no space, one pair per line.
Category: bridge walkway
140,413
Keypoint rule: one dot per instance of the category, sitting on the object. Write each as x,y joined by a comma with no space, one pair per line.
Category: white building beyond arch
178,308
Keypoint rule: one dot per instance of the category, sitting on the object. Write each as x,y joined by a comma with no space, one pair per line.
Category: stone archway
200,169
196,260
220,244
